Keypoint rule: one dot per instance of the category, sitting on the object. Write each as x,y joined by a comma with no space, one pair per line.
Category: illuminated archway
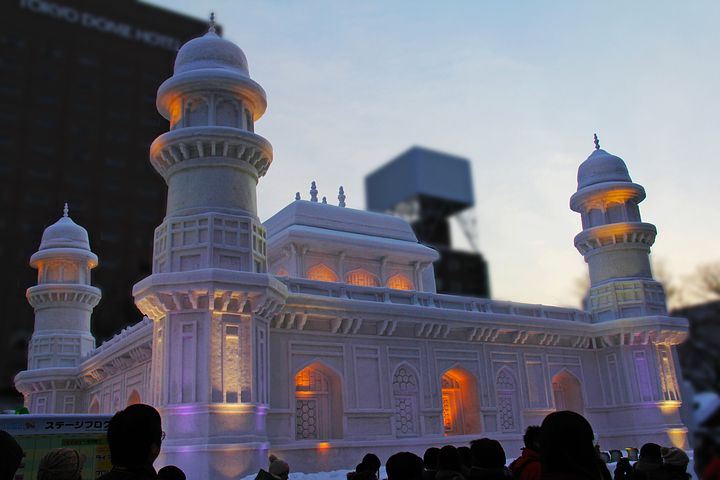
399,282
134,398
322,273
318,403
362,278
94,406
567,392
460,402
406,394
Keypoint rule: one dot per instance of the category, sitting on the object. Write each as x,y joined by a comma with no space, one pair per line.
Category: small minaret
63,300
614,241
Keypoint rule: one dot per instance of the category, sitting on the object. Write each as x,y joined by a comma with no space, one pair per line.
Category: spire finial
297,195
313,192
66,210
324,200
212,22
341,197
597,142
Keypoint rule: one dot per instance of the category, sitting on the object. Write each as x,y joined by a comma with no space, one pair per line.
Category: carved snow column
614,241
63,301
209,295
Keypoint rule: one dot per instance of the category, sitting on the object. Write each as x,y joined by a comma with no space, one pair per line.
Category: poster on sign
38,434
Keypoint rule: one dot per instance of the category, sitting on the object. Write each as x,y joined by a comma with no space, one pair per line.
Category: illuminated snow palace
318,334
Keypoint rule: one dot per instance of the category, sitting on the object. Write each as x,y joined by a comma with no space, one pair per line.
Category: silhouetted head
404,466
532,437
278,467
171,472
10,456
61,464
651,452
372,462
465,456
567,446
487,453
134,436
449,459
430,459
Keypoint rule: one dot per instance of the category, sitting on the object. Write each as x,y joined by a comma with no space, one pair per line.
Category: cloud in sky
517,87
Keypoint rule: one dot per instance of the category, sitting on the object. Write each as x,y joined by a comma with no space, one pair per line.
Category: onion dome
65,234
601,167
210,51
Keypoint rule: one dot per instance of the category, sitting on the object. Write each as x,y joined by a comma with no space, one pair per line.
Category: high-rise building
77,115
426,188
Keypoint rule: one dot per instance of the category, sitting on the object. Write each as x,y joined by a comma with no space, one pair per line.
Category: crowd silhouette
562,448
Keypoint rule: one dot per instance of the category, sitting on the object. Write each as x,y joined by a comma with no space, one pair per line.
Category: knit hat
278,468
61,464
675,456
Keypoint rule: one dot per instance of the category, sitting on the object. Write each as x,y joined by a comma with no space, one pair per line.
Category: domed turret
615,241
65,234
210,51
600,167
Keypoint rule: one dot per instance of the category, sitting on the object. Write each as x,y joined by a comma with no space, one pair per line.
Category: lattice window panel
405,416
405,381
506,413
362,278
306,426
310,380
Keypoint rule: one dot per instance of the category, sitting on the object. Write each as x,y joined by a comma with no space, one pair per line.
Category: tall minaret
209,294
614,241
63,301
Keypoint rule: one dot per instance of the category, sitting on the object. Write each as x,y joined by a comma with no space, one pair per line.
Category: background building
426,188
77,115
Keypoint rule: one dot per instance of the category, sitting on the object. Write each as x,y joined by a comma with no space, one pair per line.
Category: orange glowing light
399,282
321,273
678,437
362,277
323,445
668,407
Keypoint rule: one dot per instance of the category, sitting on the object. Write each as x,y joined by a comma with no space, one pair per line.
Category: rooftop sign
102,24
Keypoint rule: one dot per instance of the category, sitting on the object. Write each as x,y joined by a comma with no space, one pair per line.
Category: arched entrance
134,398
318,403
460,404
567,392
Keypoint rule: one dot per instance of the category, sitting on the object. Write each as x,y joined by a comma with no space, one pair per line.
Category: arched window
597,217
460,403
227,113
321,273
94,406
134,398
616,213
406,393
507,404
318,403
567,392
361,277
399,282
196,112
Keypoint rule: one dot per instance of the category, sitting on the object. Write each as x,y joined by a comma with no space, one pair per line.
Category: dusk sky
517,87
